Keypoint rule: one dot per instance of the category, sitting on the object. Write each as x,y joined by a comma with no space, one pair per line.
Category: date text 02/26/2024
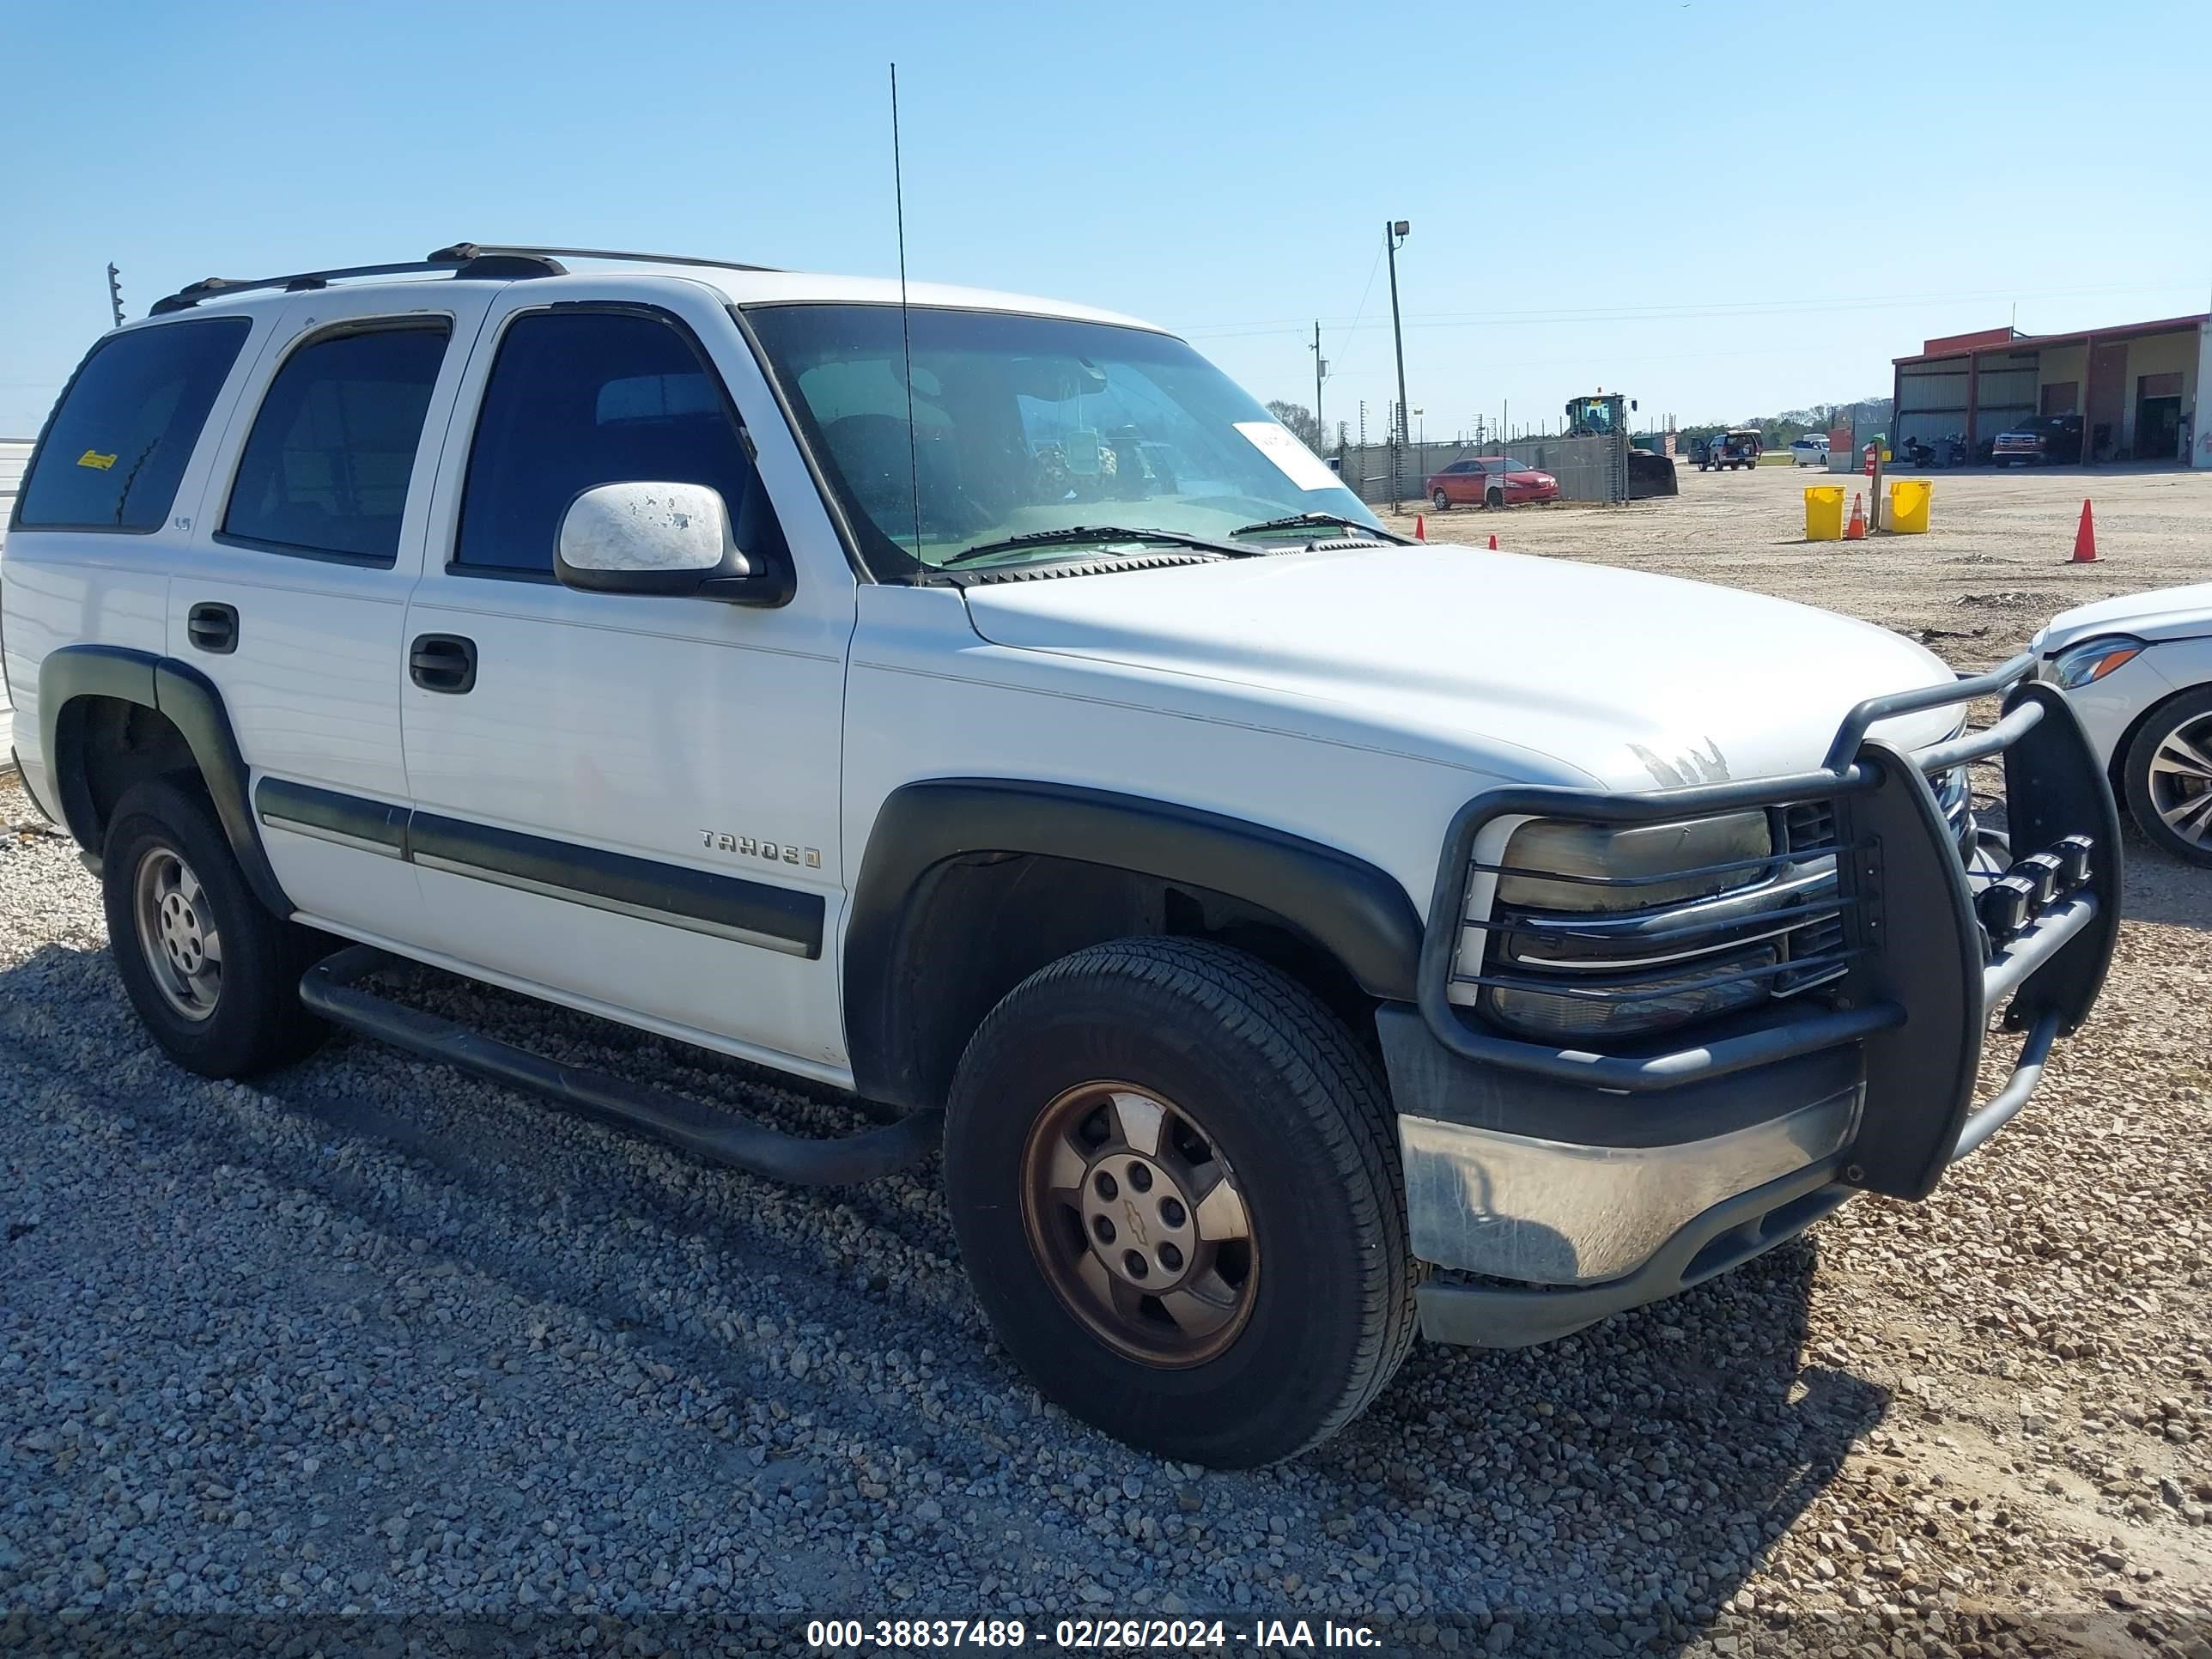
1101,1635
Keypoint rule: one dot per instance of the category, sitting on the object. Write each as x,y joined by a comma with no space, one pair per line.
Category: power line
1692,311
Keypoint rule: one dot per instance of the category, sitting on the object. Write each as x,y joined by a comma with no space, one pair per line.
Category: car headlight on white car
2092,659
1601,930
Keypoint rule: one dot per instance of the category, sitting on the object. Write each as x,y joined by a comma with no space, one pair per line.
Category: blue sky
1225,168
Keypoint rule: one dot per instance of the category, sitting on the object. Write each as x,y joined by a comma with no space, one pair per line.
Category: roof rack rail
485,250
491,264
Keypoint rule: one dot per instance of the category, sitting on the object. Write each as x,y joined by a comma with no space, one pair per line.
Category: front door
291,591
628,802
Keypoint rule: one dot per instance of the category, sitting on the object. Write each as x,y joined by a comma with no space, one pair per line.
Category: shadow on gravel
1651,1461
1608,1493
2162,889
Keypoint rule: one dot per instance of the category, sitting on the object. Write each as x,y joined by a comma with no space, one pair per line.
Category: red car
1490,481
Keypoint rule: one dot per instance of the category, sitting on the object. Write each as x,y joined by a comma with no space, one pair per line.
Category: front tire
1175,1184
2168,777
1495,498
1441,501
214,976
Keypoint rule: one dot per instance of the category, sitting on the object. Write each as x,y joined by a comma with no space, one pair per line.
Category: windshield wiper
1102,533
1312,520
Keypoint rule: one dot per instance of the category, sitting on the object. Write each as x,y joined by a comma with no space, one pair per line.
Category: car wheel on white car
215,976
1174,1176
2167,775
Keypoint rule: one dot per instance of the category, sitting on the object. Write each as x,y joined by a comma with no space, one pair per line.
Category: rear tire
1441,501
1099,1116
213,975
2169,799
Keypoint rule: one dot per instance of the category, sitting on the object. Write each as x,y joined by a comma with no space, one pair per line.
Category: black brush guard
1922,972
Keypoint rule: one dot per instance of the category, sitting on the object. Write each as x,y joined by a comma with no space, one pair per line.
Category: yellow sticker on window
92,457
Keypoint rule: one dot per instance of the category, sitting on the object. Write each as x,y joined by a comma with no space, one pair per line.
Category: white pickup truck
1292,936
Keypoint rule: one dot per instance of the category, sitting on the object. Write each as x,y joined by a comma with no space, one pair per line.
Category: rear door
629,803
290,591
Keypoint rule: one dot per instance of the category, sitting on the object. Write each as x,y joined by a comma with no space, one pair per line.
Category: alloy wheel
2181,781
177,934
1138,1224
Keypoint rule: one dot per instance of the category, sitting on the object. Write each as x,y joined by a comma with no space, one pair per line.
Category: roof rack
493,261
483,250
498,265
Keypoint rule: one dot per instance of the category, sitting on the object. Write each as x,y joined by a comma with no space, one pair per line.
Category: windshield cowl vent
1037,573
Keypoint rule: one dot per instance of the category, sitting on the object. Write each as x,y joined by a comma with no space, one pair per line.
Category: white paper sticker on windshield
1293,458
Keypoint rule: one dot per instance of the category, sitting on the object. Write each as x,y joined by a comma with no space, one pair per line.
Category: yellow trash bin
1824,513
1908,506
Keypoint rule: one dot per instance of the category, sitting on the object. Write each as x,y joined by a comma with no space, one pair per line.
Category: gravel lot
374,1336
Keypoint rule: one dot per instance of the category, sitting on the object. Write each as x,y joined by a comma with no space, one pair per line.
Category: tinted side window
326,466
116,448
583,398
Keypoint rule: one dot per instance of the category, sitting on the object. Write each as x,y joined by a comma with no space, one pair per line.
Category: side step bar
330,989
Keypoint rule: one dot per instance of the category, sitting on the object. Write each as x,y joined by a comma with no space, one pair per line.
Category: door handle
212,627
442,662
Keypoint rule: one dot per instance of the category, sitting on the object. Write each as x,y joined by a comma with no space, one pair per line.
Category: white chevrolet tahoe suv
1292,936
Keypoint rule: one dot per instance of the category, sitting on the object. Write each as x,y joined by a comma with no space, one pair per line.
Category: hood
2165,613
1630,680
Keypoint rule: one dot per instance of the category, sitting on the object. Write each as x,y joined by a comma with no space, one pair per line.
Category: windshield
1024,425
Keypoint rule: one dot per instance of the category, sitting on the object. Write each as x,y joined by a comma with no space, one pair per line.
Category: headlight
1612,931
1631,866
2091,660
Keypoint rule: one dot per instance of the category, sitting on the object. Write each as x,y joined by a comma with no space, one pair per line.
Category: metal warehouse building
2134,386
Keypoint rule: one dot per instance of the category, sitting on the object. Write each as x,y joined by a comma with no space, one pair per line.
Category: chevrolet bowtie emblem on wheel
1135,1219
751,846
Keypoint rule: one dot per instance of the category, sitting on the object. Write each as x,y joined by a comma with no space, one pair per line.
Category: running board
330,989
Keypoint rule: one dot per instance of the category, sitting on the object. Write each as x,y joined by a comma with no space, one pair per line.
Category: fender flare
1353,910
192,704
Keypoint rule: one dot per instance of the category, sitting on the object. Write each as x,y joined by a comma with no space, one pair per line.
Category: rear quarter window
118,443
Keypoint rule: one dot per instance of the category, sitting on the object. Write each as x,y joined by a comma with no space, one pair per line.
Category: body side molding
1348,907
757,913
784,919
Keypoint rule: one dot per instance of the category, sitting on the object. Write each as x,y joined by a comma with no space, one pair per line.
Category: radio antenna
906,332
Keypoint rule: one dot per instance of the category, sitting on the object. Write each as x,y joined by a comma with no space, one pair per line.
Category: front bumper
1552,1187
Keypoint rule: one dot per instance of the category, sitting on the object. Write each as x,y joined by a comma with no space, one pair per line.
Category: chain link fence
1588,469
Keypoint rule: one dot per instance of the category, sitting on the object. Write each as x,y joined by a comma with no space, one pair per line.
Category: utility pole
1321,373
1394,233
114,293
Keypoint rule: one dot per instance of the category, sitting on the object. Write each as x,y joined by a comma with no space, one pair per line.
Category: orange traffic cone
1420,526
1493,541
1856,530
2085,537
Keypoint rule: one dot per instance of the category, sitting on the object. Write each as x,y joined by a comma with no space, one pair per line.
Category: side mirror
669,539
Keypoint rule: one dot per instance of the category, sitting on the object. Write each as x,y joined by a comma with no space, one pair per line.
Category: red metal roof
1991,339
1945,344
